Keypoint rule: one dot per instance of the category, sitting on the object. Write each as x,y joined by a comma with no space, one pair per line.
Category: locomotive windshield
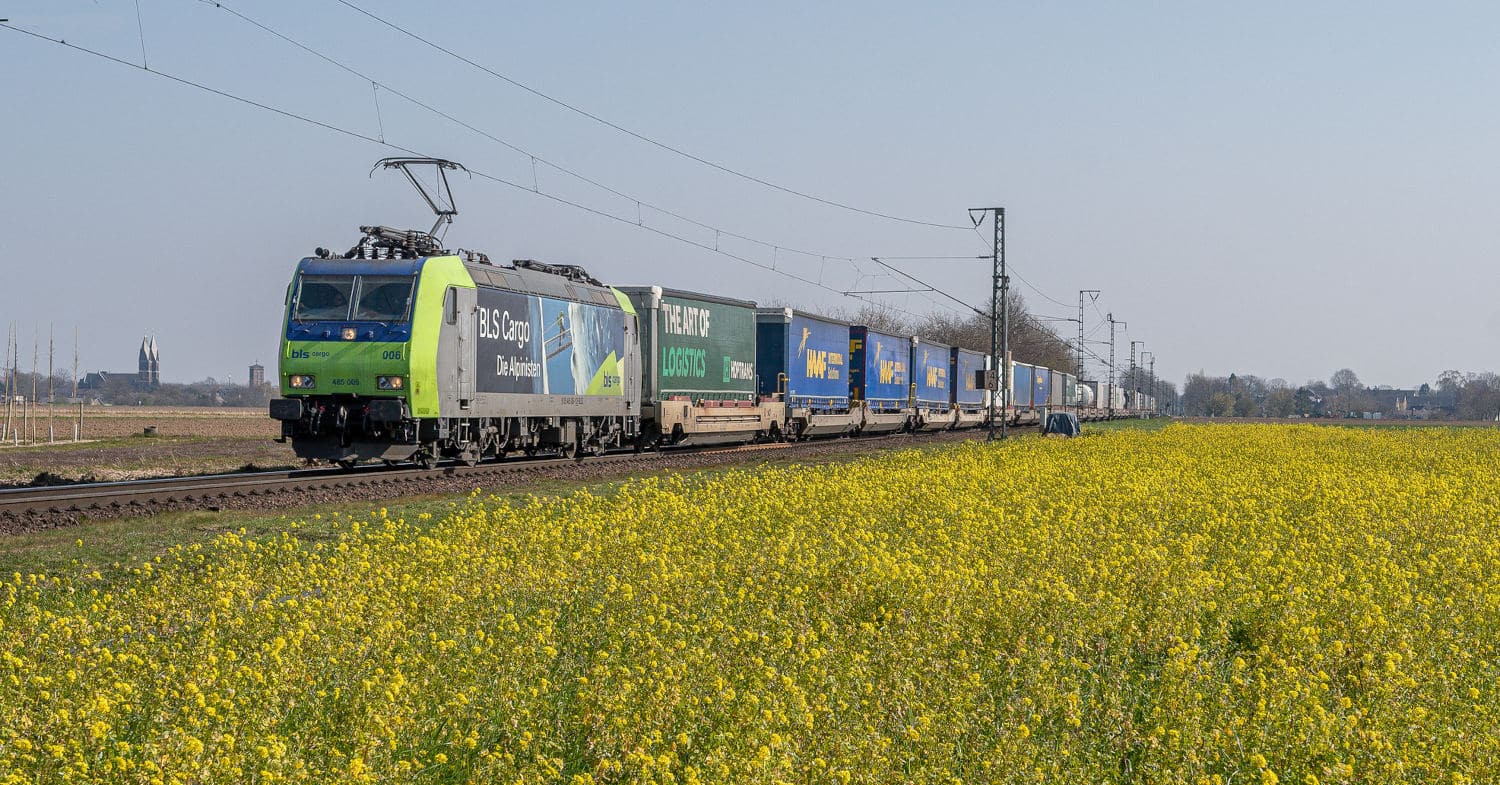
364,298
324,297
384,298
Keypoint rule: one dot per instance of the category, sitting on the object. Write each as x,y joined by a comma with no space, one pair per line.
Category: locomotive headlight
389,382
301,381
349,333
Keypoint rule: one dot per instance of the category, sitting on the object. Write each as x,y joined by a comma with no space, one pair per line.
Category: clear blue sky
1276,188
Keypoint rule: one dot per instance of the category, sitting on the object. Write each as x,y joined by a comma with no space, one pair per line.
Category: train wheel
569,450
425,460
346,464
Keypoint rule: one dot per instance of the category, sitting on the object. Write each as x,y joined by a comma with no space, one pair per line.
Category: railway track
29,509
137,497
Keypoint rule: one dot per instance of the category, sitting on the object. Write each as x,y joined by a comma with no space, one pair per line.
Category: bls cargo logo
495,324
300,354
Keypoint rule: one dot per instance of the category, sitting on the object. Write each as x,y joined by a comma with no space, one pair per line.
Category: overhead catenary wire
890,258
639,203
533,157
640,136
929,286
140,28
1039,292
1090,333
535,187
477,173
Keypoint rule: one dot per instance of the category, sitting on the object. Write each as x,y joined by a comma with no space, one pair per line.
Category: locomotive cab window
323,297
384,298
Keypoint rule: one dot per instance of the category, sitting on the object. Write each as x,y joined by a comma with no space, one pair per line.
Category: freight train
399,350
447,356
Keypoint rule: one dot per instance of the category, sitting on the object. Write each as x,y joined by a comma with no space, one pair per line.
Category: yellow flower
1183,595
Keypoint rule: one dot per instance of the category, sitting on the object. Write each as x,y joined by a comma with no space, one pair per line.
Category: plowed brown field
189,440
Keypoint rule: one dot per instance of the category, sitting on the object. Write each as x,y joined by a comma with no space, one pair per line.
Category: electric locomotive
400,351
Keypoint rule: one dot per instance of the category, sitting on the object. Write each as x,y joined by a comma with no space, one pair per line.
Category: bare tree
881,318
1220,405
1479,398
1348,392
1281,401
1199,392
1345,382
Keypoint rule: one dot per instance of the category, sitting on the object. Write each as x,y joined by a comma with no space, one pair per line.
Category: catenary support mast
999,317
1093,295
1110,406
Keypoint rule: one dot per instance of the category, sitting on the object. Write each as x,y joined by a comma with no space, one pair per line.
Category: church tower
148,365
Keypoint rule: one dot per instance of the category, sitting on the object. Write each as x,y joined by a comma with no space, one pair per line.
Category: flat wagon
879,379
698,376
932,385
970,400
803,362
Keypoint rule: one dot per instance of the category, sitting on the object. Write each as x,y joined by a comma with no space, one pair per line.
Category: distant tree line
1455,395
207,392
124,390
1476,395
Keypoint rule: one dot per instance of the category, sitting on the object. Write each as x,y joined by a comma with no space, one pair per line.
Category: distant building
98,381
1386,399
257,375
93,380
148,373
1413,404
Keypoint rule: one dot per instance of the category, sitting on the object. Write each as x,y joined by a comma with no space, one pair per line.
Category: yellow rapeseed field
1212,604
